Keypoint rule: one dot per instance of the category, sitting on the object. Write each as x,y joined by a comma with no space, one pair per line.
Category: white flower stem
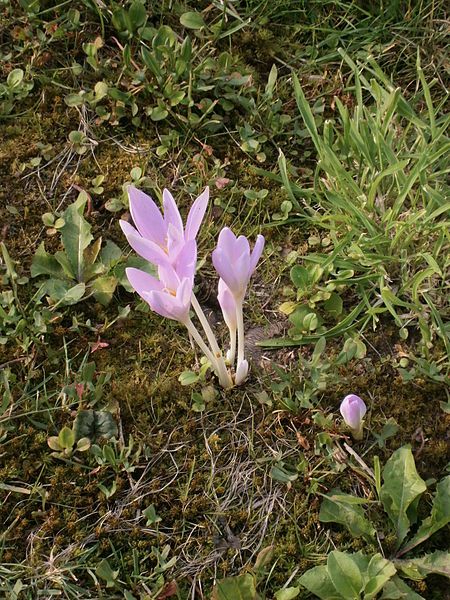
195,335
222,372
240,330
358,433
231,354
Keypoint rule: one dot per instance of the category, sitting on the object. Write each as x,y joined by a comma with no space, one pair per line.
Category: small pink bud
353,410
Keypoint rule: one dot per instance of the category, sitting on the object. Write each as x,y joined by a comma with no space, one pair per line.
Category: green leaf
418,568
334,304
66,438
105,572
188,378
158,113
339,508
110,254
137,14
15,78
379,571
283,473
45,264
83,444
151,62
150,514
198,403
241,587
389,429
74,99
287,593
345,574
94,424
318,582
440,516
76,234
62,292
396,589
91,252
73,294
192,20
300,277
103,289
63,260
401,490
53,442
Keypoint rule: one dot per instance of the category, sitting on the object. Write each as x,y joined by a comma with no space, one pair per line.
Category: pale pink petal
168,277
184,293
175,242
241,267
196,214
171,212
186,261
142,282
165,305
226,240
227,304
145,248
173,307
225,269
256,253
240,247
146,216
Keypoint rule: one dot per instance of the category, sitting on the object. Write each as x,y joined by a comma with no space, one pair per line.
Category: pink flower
353,410
161,239
169,295
234,262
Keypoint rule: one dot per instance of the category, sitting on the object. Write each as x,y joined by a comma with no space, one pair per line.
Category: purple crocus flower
234,262
160,238
168,296
353,410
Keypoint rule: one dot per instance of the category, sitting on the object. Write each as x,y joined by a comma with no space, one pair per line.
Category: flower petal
146,216
256,253
225,269
173,307
171,212
196,214
142,282
168,277
227,304
226,240
144,247
175,241
186,261
241,267
241,246
164,304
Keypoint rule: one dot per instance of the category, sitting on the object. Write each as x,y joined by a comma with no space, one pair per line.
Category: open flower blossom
161,238
169,296
353,410
234,262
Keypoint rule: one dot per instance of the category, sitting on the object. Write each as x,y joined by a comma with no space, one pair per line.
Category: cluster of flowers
166,243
